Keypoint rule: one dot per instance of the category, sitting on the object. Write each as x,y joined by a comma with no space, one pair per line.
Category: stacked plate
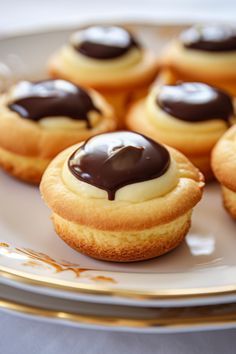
193,287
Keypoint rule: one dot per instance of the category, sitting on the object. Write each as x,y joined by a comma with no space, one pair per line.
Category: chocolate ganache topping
195,102
103,42
210,38
113,160
52,98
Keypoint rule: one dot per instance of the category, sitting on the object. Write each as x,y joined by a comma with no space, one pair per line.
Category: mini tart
142,219
224,168
38,120
193,120
206,54
108,59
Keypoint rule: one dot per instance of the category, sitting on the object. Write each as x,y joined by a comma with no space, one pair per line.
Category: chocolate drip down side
103,42
53,98
210,38
195,102
114,160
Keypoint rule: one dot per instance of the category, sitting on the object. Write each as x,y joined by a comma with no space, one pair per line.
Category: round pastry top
210,38
51,98
194,102
103,42
113,160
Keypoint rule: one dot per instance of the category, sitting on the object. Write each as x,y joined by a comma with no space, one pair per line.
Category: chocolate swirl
210,38
195,102
103,42
52,98
113,160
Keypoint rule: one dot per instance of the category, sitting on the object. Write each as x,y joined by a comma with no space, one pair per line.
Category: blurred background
29,14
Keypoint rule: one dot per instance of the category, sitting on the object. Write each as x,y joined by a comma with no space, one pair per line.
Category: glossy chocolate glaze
113,160
210,38
103,42
195,102
52,98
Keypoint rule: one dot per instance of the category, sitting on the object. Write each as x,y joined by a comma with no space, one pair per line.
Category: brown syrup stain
101,278
59,266
38,259
4,244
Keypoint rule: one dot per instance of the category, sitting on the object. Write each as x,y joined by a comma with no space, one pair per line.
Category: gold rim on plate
169,319
82,288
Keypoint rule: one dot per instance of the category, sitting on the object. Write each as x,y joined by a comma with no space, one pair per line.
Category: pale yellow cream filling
136,192
202,60
78,65
174,126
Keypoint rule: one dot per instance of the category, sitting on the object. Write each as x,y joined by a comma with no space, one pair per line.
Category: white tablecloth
19,335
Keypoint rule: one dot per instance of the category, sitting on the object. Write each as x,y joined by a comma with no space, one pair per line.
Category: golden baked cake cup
40,119
108,59
190,117
121,196
204,53
224,168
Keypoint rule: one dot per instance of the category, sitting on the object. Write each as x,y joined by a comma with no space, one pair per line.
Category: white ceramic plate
201,271
116,317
